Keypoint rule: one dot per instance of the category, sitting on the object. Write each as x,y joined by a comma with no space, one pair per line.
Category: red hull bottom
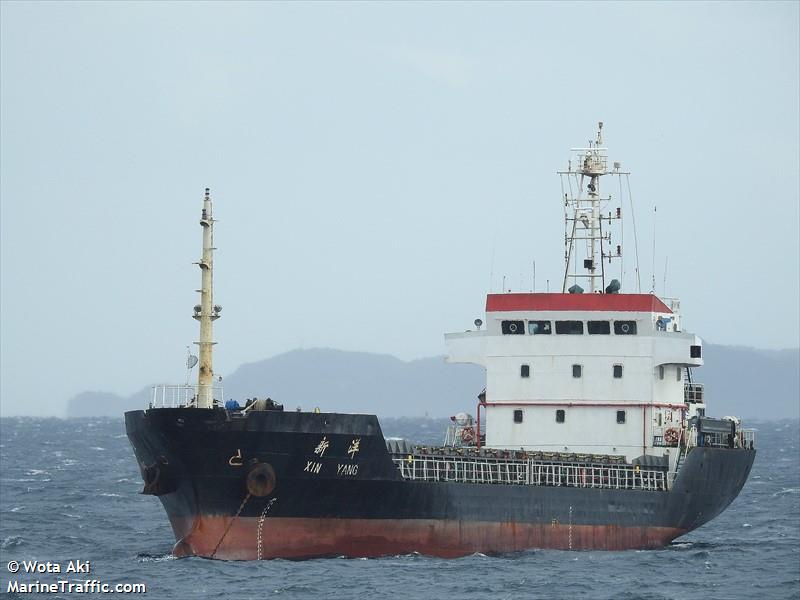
297,538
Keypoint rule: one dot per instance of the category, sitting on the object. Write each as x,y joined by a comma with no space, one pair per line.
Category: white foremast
206,312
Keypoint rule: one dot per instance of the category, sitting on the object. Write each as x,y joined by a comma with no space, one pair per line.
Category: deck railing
513,472
178,396
693,392
748,438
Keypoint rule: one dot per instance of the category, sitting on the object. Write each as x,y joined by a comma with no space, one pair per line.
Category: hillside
740,381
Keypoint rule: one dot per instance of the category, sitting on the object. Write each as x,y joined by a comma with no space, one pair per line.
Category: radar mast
586,245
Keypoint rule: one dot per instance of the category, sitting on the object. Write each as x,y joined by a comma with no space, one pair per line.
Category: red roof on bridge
577,302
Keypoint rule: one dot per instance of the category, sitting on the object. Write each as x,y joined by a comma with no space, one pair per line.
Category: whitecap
746,525
17,508
11,541
148,558
97,448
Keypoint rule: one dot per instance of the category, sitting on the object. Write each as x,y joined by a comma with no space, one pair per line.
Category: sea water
69,491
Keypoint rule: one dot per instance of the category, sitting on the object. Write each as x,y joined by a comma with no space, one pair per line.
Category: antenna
635,237
534,277
491,267
655,215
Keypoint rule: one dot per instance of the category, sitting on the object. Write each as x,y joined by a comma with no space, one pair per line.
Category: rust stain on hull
298,538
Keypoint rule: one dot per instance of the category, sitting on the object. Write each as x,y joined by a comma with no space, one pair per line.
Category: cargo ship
590,434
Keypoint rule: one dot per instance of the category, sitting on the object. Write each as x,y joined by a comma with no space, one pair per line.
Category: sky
376,168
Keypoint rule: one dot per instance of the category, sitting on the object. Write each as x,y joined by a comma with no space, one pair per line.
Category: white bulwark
581,373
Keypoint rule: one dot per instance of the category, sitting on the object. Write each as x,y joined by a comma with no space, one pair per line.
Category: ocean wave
144,558
11,542
786,491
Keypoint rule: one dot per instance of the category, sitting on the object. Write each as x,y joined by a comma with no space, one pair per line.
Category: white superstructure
596,373
586,373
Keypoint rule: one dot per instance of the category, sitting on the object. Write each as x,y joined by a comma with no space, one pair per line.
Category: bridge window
539,327
513,327
577,371
518,416
679,373
525,371
695,352
625,327
560,416
617,371
621,417
594,327
661,371
569,327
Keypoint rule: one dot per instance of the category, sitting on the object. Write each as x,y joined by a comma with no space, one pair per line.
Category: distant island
741,381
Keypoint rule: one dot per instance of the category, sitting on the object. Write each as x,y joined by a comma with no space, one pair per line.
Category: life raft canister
261,480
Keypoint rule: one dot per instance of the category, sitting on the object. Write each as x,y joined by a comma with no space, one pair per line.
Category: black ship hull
300,485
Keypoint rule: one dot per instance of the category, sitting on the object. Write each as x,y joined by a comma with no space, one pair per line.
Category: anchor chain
261,525
228,528
570,528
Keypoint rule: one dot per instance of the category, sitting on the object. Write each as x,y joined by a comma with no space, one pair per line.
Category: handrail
693,392
179,395
531,472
